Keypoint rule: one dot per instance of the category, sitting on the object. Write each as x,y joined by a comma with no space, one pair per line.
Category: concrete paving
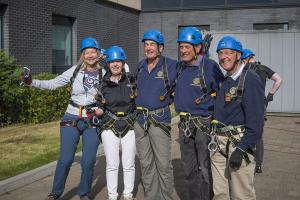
280,179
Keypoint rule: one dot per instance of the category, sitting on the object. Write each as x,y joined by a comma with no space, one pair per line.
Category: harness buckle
80,111
185,120
120,114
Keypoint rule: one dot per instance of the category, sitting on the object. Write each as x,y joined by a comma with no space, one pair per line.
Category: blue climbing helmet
115,53
89,43
103,51
229,42
190,35
154,35
247,53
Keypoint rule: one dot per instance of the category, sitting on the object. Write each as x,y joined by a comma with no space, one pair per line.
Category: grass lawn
25,147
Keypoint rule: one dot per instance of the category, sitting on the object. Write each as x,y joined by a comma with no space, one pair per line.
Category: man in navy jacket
238,124
197,80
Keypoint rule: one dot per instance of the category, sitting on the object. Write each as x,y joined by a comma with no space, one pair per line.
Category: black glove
266,102
206,43
270,97
236,158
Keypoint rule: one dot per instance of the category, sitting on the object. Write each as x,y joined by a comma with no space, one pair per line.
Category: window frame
63,21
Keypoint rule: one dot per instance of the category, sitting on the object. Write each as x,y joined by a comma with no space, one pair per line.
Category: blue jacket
187,88
150,86
248,112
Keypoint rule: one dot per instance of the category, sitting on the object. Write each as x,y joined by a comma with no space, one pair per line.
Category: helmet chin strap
158,49
196,54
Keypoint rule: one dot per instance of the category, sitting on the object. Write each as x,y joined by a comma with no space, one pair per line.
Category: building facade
46,34
269,27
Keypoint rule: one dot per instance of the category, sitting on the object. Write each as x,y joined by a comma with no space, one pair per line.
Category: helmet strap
196,54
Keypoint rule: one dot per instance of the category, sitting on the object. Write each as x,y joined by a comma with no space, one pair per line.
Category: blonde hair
83,64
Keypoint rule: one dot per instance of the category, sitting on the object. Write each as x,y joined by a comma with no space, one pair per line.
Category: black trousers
196,165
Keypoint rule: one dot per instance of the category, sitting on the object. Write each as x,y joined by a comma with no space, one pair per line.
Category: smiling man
155,75
196,84
238,124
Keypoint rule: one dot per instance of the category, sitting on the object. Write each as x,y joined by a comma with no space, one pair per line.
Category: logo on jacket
196,82
233,90
160,74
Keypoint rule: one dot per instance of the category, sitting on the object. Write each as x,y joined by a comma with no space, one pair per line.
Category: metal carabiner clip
212,145
95,120
187,132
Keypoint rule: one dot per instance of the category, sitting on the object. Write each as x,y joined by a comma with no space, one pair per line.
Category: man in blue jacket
238,124
197,82
155,75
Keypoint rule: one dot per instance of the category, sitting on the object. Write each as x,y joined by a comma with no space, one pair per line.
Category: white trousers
112,145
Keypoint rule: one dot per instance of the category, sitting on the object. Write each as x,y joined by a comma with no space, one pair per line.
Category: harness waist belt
81,106
234,130
68,123
119,115
141,109
186,115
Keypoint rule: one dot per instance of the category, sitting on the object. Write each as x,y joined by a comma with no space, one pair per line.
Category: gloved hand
25,76
236,159
270,97
206,44
266,102
94,115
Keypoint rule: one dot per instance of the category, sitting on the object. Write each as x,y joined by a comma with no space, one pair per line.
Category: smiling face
90,56
188,51
151,49
228,59
115,67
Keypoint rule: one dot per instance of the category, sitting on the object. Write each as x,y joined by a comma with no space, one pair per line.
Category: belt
199,121
184,115
148,118
68,123
81,106
141,109
234,130
119,115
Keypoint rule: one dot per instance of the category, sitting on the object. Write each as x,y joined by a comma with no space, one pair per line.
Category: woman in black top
118,118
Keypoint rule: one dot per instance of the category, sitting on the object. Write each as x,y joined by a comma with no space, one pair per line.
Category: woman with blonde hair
80,118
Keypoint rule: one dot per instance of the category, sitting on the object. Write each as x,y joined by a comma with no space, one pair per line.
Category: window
1,32
271,26
61,43
2,10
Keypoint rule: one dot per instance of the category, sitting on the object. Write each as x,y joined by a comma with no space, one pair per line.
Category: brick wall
28,28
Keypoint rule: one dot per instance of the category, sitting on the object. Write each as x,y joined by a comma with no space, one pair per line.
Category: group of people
221,117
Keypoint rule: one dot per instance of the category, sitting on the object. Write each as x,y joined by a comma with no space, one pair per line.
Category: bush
27,105
45,105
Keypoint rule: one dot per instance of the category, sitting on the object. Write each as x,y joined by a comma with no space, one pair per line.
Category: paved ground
280,179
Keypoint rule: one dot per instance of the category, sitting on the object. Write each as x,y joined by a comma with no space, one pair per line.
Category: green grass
25,147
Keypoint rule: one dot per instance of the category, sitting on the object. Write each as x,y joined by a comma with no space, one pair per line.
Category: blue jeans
69,138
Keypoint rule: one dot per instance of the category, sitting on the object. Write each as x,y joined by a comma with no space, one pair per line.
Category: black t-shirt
263,72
